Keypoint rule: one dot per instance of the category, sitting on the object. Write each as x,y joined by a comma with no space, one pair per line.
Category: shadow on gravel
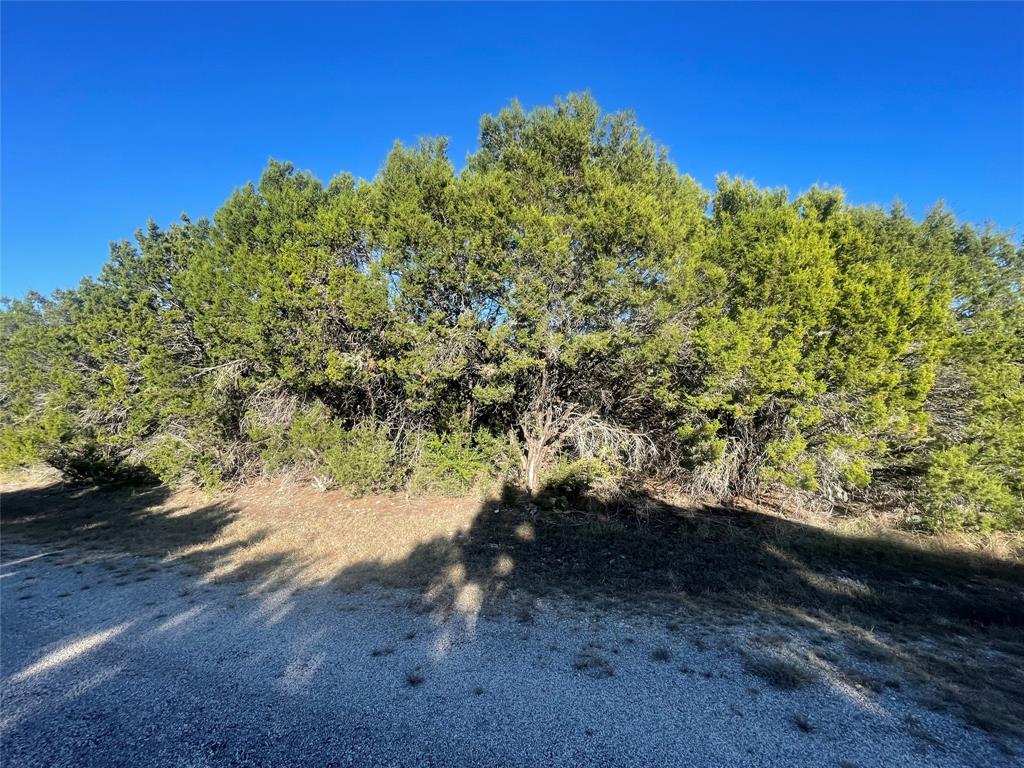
707,557
121,519
951,620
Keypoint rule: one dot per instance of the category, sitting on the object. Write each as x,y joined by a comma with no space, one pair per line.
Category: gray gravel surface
161,669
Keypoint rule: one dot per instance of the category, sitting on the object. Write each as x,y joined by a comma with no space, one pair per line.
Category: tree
974,470
591,214
567,300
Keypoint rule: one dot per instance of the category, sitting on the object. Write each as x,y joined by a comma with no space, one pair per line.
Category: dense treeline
567,311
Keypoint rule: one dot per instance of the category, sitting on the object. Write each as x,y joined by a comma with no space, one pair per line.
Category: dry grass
264,532
947,613
802,722
783,672
593,664
865,684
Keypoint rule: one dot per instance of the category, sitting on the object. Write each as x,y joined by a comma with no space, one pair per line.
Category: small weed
593,664
413,679
787,674
917,729
799,719
382,651
661,654
864,683
524,616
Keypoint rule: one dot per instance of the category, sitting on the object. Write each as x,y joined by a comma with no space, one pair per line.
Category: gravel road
146,665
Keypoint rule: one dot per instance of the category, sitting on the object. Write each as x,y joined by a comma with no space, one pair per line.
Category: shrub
539,292
454,463
572,479
87,460
178,462
362,459
961,495
18,449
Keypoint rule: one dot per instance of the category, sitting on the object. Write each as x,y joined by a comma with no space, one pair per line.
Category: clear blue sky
112,114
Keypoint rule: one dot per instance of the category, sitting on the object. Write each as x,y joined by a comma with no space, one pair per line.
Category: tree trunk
534,461
543,427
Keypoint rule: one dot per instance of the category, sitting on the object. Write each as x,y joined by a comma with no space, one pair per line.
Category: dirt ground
875,611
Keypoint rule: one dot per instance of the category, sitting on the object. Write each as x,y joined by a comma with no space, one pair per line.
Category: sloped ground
279,626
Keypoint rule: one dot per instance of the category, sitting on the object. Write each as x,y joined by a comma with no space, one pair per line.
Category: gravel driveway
146,665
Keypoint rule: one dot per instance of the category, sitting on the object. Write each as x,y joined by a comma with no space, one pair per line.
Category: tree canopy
566,311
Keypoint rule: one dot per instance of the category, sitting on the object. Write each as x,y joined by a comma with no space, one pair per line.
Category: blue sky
115,113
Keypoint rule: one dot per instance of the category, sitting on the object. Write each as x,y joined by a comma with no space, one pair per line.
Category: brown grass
784,673
592,664
947,613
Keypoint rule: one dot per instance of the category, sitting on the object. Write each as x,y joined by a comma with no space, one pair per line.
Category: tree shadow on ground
952,620
706,557
131,520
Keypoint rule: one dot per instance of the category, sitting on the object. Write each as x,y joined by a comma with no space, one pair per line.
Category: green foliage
455,463
361,459
573,478
179,462
963,494
974,474
568,311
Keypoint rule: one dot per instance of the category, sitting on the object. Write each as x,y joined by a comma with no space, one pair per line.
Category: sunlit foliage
567,304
